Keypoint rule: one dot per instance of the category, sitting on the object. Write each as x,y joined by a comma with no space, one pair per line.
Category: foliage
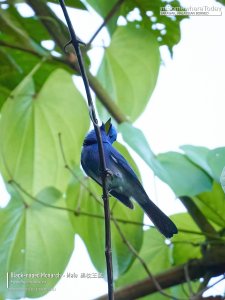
40,103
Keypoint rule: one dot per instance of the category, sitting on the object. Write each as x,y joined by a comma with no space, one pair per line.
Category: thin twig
106,20
108,251
188,280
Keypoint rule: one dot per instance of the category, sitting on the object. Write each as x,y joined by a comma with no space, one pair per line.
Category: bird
122,182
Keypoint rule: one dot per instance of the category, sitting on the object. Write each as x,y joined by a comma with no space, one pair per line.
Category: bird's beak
108,125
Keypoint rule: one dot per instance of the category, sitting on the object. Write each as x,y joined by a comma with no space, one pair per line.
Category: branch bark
213,261
59,33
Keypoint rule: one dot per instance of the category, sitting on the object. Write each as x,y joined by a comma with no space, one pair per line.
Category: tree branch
102,162
213,261
59,33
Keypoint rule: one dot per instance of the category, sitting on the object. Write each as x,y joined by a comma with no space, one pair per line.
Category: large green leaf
154,252
135,138
91,229
198,155
156,255
82,198
160,256
186,245
34,239
129,70
212,204
183,176
29,127
222,179
216,161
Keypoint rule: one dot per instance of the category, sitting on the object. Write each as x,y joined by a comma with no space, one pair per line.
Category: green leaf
212,204
31,25
84,196
184,177
30,123
135,138
221,1
186,245
18,66
49,195
33,240
154,252
159,256
216,161
14,33
129,70
198,155
222,179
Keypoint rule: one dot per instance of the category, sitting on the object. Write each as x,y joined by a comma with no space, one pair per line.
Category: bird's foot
108,173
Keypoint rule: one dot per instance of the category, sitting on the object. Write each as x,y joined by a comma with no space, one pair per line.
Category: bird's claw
108,173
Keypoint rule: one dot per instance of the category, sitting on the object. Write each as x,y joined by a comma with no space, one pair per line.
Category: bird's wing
124,199
123,165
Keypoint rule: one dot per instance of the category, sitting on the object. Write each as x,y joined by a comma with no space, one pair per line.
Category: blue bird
122,182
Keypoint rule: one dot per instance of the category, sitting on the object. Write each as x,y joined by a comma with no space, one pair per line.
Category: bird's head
108,132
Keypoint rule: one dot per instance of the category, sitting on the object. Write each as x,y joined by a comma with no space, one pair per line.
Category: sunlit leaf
29,129
212,204
198,155
216,161
186,245
159,256
34,239
129,70
135,138
154,252
183,176
222,179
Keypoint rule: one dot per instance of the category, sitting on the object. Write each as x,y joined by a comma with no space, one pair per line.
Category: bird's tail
158,218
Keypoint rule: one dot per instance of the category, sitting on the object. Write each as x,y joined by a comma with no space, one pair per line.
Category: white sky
187,107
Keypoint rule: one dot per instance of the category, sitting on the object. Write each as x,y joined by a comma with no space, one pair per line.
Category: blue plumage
123,184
